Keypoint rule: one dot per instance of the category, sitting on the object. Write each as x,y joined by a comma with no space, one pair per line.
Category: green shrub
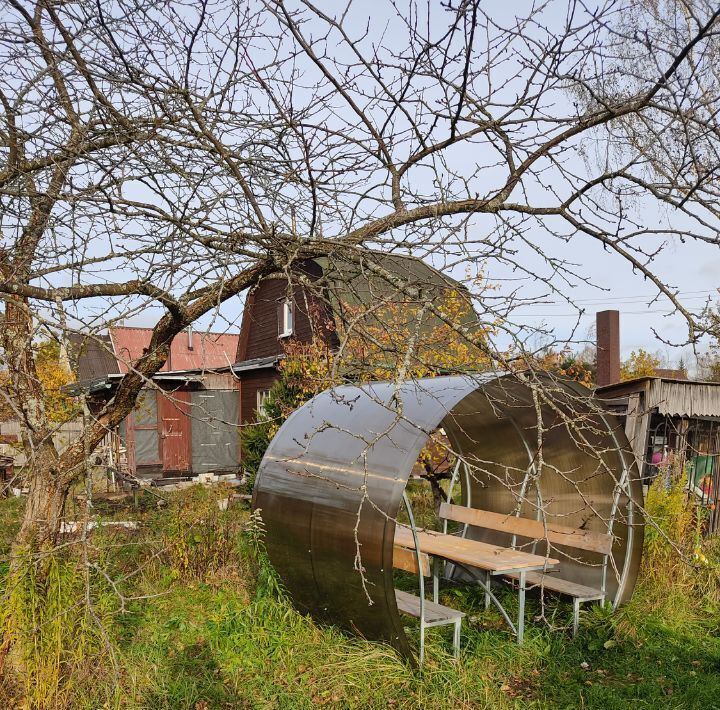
284,397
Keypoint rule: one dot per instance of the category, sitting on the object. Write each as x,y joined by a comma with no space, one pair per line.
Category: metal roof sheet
209,350
256,363
671,397
678,399
91,356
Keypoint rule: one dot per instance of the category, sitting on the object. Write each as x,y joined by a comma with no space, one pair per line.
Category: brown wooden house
187,420
312,302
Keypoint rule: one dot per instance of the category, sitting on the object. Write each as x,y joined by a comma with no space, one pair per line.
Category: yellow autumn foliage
567,365
385,340
400,337
53,375
640,364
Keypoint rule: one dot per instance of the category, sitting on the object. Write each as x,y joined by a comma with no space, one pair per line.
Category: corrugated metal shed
671,397
684,399
194,351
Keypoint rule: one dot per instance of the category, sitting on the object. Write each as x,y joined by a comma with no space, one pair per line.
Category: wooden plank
408,560
532,529
560,585
471,552
410,604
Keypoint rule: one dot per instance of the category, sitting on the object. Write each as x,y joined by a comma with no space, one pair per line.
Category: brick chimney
608,347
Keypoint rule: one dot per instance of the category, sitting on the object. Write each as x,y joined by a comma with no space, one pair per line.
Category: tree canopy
158,163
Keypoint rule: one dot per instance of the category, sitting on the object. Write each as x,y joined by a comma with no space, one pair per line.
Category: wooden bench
429,613
537,530
473,554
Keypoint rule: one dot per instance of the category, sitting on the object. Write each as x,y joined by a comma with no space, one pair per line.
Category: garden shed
186,420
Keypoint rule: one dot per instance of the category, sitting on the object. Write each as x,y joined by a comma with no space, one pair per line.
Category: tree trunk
434,478
44,507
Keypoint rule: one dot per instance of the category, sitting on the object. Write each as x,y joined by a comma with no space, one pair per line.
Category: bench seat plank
560,585
471,552
407,560
532,529
410,604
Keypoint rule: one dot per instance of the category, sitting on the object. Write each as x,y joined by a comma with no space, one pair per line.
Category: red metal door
175,431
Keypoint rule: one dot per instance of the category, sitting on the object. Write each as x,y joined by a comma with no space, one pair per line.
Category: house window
285,318
262,396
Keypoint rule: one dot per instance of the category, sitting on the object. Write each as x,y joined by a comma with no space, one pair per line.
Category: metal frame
519,628
331,485
522,586
456,621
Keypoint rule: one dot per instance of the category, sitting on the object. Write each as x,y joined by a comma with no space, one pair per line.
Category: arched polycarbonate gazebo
331,485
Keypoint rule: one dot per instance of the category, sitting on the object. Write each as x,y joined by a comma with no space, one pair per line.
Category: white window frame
262,397
286,318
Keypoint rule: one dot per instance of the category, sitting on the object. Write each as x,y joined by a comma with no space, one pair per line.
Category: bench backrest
406,559
532,529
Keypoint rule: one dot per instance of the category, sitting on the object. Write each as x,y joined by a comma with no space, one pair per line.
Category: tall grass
199,535
57,626
210,626
679,572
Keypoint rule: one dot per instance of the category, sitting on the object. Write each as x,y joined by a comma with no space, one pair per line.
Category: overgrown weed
57,622
679,572
200,535
216,630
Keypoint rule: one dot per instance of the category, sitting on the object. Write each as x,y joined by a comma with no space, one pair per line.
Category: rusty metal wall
175,426
331,483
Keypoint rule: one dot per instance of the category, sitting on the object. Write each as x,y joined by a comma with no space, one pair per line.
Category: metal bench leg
487,590
456,638
436,580
422,641
576,616
521,609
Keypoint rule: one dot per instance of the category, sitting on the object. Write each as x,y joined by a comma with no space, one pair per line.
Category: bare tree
165,158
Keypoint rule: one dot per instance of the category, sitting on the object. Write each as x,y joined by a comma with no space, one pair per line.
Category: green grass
211,631
202,644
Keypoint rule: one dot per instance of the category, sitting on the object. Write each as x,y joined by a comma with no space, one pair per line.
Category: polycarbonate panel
582,479
331,482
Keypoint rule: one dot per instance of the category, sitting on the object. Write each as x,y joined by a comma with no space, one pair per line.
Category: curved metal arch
331,483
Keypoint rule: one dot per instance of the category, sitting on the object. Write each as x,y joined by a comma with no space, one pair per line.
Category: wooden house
187,420
314,302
